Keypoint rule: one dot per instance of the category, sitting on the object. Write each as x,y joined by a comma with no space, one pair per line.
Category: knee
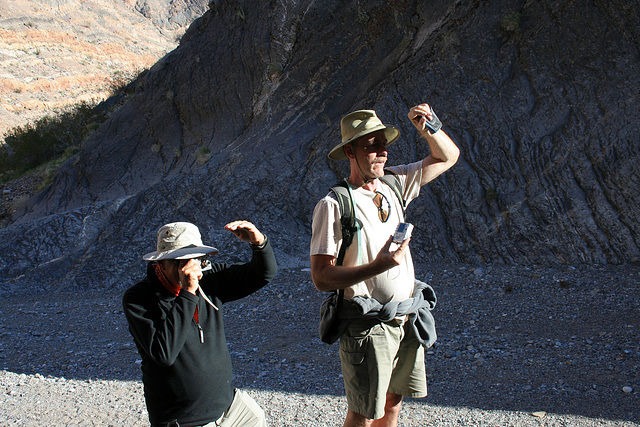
393,403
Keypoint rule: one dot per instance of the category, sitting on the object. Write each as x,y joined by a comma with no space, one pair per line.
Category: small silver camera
403,231
205,265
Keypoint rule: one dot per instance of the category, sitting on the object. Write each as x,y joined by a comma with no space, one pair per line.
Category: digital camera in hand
403,231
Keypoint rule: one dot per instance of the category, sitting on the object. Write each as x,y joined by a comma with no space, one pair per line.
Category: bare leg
391,411
390,418
356,420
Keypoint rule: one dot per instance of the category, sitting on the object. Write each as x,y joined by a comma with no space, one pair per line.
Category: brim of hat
392,134
182,253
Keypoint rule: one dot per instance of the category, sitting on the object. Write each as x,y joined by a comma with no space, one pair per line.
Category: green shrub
510,24
203,154
29,146
53,139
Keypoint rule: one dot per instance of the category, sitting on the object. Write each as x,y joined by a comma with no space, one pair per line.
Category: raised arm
230,282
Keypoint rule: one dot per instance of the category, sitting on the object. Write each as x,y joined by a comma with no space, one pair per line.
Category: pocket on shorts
353,349
354,343
353,357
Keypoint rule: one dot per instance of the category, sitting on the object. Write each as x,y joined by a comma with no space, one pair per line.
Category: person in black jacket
175,318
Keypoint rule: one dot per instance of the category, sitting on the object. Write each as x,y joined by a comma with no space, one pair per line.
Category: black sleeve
158,326
230,282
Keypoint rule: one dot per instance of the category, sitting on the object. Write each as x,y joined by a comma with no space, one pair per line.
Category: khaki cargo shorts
379,358
243,411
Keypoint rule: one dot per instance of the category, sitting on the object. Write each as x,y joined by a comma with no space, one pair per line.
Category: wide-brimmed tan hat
357,124
179,240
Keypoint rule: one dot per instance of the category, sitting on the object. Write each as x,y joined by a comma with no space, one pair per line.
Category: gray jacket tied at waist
417,307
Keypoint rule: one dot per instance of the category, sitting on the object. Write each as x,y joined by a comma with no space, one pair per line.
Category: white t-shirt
396,284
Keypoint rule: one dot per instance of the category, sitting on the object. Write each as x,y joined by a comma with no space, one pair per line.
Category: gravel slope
517,346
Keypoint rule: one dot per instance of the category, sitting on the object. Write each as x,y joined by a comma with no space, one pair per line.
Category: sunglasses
383,205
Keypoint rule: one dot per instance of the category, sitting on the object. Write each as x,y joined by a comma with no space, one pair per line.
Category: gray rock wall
541,97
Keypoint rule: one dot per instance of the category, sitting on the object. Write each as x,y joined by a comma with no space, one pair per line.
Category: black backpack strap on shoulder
348,221
349,224
392,180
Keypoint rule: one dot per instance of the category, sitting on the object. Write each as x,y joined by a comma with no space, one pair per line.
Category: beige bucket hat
179,240
357,124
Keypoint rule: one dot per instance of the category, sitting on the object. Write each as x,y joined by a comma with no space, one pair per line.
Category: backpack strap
348,221
349,225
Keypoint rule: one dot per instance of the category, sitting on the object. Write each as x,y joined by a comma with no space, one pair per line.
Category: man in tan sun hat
382,357
175,318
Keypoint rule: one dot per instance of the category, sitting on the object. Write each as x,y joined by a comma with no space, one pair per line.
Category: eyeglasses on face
383,205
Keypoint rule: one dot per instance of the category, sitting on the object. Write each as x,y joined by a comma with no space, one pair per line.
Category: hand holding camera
393,251
424,118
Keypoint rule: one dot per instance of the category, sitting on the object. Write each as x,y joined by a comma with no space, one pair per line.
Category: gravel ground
517,346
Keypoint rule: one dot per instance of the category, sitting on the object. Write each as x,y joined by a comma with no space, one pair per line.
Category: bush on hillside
49,138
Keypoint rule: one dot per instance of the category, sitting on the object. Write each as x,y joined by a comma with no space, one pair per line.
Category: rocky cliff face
58,53
541,97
